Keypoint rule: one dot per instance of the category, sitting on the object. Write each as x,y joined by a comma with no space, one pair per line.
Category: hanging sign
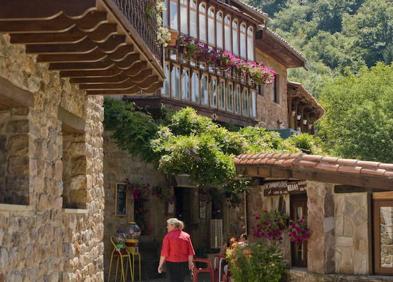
276,188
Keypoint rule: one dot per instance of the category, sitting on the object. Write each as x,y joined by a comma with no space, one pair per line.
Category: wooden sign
277,188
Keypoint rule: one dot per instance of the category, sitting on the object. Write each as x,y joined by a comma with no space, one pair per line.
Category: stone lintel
71,122
13,96
75,211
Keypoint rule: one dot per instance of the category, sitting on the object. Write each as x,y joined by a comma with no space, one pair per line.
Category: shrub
257,262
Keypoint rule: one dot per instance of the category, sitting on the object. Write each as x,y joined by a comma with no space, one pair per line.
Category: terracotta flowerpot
173,40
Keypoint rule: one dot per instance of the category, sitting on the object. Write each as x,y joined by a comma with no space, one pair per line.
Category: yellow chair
134,252
121,253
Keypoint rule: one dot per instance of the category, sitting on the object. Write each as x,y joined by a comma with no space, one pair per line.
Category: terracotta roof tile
318,163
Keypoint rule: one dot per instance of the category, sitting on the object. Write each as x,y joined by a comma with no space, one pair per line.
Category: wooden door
383,236
299,211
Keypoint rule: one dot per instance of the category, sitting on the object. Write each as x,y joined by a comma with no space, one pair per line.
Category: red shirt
177,246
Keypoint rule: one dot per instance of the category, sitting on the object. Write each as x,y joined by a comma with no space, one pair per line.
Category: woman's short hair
176,222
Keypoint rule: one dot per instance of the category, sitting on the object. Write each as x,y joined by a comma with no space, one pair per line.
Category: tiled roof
286,44
318,163
307,96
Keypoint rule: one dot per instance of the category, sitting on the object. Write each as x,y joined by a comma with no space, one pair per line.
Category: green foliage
359,114
187,143
306,143
257,262
132,130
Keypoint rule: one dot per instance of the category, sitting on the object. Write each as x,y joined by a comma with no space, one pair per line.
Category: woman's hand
160,269
190,265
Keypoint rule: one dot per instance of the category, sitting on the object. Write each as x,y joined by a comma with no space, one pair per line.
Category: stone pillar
320,258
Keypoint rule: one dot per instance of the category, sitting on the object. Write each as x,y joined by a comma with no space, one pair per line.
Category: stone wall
42,241
352,236
14,158
119,166
268,111
386,237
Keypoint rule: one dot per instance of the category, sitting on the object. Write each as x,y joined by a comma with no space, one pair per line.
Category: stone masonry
40,240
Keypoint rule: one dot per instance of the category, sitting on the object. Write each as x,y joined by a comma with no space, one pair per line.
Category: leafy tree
359,114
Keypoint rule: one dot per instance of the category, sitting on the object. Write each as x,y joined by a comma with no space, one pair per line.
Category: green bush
257,262
306,143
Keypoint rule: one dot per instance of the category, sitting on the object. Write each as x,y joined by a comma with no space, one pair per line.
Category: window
175,82
219,31
195,87
202,22
237,102
184,16
221,95
383,235
243,49
261,89
276,89
253,104
173,15
185,85
14,156
74,170
165,88
204,91
227,33
210,24
213,92
250,43
246,103
229,97
165,14
193,18
235,39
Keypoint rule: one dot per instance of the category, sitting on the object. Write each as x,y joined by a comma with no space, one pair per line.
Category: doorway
299,211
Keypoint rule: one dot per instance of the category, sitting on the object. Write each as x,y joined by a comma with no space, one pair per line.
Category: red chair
208,269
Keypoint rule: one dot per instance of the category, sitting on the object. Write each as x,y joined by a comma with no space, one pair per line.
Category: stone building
347,205
230,26
51,132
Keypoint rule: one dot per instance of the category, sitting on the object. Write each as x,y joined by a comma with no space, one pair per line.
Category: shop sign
276,188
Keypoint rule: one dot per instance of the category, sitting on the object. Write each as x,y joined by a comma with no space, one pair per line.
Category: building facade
347,205
51,134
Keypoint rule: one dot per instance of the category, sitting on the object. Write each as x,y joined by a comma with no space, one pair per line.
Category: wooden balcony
107,47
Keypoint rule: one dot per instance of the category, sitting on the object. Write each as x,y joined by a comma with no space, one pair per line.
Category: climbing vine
187,143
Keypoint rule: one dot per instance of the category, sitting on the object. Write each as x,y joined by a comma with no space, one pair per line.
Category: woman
177,251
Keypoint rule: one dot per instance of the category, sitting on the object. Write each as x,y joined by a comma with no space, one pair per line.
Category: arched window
202,22
165,14
210,26
229,97
235,39
250,43
243,49
185,85
175,82
195,87
204,90
227,33
238,102
219,31
165,89
221,95
184,16
253,104
173,15
193,18
246,102
213,92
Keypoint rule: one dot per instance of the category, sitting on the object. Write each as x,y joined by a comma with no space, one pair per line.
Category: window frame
202,22
250,39
176,67
176,3
228,33
235,36
220,30
211,20
193,12
211,104
184,15
276,89
182,97
197,73
204,100
243,42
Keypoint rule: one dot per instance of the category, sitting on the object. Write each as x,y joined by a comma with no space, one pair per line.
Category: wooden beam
90,73
14,94
383,196
32,9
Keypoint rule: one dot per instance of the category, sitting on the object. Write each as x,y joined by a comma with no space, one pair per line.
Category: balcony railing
139,14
